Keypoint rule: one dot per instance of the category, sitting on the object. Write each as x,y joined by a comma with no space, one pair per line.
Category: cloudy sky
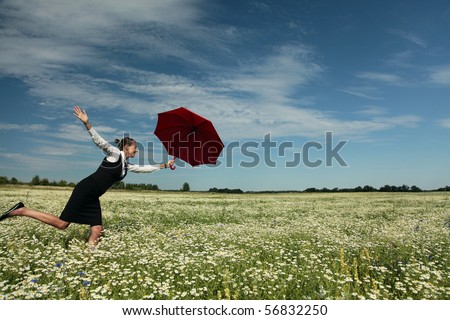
375,74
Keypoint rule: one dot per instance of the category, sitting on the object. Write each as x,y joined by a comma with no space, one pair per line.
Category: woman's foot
7,213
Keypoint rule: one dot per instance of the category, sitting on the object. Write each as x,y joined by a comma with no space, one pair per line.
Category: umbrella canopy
188,136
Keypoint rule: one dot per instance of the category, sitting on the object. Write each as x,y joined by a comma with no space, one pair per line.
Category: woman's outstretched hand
81,114
169,164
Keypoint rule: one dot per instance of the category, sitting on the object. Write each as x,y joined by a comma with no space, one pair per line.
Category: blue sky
374,73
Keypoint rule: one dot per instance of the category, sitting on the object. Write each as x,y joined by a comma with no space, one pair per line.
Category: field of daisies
161,245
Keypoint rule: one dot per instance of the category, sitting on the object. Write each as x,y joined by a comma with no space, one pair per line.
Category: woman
83,206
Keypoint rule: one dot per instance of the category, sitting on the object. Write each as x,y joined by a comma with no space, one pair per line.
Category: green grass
160,245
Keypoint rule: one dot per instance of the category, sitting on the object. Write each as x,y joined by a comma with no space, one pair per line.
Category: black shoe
6,214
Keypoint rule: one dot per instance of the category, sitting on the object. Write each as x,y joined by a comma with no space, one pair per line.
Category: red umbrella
188,136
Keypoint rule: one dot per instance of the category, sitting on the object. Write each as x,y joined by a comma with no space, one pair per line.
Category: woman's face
131,150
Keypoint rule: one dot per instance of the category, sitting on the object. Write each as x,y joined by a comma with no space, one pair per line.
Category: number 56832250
295,310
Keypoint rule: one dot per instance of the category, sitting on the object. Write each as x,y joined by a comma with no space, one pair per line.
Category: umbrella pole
172,166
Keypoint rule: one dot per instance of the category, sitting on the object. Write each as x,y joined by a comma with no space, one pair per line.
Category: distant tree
62,183
415,189
35,180
118,185
3,180
186,187
227,190
129,186
369,189
404,188
45,182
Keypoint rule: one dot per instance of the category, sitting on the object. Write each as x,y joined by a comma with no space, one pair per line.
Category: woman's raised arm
81,114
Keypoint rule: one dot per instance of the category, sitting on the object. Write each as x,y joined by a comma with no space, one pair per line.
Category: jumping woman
83,206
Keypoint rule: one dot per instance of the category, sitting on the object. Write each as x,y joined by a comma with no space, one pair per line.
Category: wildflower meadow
176,245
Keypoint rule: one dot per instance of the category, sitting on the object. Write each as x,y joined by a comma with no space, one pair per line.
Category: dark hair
127,141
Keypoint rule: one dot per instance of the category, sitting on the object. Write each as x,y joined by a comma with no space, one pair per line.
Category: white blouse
113,154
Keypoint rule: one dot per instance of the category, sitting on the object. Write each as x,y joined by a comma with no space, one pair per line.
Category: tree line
385,188
225,190
134,186
38,181
120,185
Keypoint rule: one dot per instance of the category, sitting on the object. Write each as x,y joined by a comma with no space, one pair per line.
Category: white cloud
402,59
38,36
242,104
444,123
61,50
365,92
373,111
29,57
23,127
36,163
87,18
386,78
440,75
277,75
411,37
77,132
408,121
55,151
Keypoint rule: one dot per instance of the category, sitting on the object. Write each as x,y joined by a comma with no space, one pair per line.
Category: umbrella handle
172,166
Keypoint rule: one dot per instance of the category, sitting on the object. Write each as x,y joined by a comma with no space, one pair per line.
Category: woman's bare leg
41,216
94,236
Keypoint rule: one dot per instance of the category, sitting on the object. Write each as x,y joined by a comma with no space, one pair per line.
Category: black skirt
84,205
